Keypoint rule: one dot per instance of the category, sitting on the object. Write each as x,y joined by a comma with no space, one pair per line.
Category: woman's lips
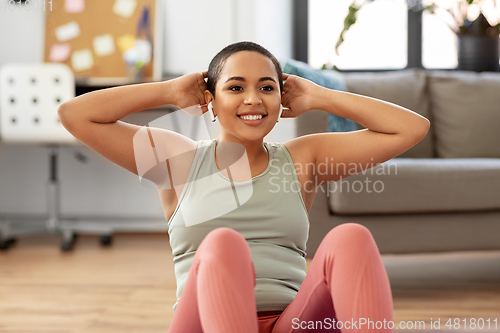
253,122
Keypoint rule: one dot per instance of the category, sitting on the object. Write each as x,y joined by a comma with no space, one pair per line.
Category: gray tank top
273,220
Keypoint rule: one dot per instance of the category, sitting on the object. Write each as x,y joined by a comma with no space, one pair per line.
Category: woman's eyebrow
240,78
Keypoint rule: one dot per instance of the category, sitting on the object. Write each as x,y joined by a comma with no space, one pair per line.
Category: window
378,40
439,42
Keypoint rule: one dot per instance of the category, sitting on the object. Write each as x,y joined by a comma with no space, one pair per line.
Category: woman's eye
238,88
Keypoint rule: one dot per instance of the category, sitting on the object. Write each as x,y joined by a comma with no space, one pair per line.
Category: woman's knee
224,241
227,247
225,234
352,233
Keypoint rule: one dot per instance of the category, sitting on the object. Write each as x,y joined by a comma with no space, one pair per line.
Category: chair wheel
69,242
6,243
67,246
106,240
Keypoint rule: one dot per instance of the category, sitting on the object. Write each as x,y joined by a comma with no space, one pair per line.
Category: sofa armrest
407,185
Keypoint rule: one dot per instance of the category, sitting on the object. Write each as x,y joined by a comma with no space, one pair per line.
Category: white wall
21,35
195,30
193,37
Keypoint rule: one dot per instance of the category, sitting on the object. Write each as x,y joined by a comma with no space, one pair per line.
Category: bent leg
219,292
346,282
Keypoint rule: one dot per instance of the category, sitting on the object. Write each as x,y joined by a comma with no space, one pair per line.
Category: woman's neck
256,150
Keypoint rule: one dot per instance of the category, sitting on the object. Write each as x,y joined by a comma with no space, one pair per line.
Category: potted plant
478,40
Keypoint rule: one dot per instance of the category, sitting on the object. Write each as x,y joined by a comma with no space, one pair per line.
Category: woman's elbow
422,128
426,125
65,115
62,113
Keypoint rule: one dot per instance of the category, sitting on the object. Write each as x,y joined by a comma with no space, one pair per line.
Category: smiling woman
239,241
245,98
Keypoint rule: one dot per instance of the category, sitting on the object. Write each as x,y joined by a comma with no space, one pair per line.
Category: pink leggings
346,282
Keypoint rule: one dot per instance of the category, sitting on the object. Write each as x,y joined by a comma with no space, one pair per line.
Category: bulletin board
105,42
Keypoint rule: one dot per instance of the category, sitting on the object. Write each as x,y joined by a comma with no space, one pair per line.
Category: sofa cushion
326,78
466,113
406,88
406,185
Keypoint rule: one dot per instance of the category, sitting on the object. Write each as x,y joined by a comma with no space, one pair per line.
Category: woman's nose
252,97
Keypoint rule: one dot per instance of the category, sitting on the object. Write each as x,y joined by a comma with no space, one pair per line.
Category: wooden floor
130,287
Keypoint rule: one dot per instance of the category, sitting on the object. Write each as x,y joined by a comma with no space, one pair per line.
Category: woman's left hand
298,95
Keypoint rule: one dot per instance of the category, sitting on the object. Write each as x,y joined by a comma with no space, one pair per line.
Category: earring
211,111
281,110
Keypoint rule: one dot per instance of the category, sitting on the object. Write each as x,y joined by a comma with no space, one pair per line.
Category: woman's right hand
189,90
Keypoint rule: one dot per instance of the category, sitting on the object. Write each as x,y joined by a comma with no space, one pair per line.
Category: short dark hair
217,63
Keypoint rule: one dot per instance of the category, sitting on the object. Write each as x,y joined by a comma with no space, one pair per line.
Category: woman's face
248,83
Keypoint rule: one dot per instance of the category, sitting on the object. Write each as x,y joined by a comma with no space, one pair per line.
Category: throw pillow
325,78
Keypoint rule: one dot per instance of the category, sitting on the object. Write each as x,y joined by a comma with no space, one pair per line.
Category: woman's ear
208,97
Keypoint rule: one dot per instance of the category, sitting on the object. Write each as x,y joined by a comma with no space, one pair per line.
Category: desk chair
29,97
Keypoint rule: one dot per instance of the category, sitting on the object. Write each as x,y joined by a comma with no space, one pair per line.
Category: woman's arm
94,118
374,114
390,129
109,105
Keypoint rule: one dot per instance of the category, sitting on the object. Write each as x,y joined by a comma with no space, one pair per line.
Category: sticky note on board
104,45
67,31
59,52
74,6
125,42
82,60
141,52
124,8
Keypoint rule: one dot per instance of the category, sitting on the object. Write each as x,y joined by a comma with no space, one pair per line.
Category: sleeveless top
273,219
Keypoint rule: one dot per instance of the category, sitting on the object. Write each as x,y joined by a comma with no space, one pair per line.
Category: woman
242,269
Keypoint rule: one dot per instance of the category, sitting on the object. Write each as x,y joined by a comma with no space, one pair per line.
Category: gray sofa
442,194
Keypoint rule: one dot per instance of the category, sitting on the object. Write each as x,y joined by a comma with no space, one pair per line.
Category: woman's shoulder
204,142
298,150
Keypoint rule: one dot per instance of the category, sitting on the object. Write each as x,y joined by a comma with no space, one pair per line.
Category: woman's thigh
223,251
332,286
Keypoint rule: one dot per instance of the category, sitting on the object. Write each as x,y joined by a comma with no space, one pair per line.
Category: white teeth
251,117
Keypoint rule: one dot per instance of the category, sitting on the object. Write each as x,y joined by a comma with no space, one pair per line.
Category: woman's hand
189,90
298,95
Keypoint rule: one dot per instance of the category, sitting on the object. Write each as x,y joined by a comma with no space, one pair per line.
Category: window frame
301,30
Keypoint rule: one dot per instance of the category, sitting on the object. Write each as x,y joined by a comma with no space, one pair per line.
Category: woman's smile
252,120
